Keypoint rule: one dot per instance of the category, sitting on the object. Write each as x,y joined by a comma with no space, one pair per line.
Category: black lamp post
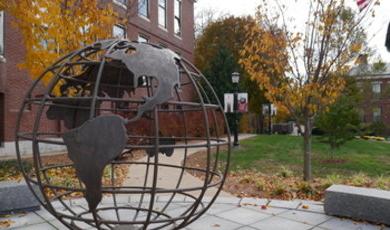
236,80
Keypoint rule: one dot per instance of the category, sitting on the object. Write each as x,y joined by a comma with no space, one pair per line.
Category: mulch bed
283,185
65,176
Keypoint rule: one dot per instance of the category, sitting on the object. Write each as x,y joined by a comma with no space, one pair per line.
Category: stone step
365,204
17,197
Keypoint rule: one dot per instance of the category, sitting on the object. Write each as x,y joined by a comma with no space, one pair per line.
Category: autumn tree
202,19
301,71
341,121
217,55
52,28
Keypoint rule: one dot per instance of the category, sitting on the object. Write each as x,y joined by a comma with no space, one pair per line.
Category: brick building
374,81
169,23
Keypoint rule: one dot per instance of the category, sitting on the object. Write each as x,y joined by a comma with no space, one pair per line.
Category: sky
376,27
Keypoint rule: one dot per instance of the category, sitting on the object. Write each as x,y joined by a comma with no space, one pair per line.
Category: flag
387,44
362,4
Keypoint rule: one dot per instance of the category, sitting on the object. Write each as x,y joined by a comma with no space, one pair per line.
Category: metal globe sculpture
121,105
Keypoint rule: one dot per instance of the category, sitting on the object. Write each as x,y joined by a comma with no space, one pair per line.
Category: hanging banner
387,44
266,111
242,102
229,102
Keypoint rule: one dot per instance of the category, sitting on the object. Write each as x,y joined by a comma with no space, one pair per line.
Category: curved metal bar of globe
142,62
162,141
91,147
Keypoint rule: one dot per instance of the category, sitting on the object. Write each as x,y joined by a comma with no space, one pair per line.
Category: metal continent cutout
155,62
91,147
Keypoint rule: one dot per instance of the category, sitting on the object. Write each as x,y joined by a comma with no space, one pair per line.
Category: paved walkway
227,213
230,213
168,176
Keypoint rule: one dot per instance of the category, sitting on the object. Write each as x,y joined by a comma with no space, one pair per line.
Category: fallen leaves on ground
6,223
283,185
62,174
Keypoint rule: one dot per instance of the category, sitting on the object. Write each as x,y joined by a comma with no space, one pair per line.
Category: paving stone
43,213
305,217
228,200
279,223
246,228
16,197
345,224
243,216
58,225
358,203
79,202
269,210
120,199
285,204
43,226
177,198
23,220
76,209
247,201
310,202
312,208
213,223
218,208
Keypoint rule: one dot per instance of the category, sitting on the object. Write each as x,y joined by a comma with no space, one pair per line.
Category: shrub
305,187
382,183
9,169
360,179
285,172
260,184
279,189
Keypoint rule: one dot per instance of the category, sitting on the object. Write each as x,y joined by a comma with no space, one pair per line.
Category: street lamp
236,80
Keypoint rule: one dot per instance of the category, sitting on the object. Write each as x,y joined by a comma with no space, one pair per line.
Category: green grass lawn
272,154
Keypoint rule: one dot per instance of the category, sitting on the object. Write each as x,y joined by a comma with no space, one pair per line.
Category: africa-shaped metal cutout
133,121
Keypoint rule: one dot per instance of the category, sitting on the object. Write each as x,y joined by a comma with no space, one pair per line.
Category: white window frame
147,9
376,114
376,87
2,32
179,17
121,27
164,26
121,4
142,38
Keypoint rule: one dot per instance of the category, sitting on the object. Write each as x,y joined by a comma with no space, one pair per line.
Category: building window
376,114
1,32
143,8
177,19
376,87
122,3
162,13
119,31
362,116
142,38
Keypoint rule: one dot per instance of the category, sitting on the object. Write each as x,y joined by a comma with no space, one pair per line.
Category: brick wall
14,82
372,101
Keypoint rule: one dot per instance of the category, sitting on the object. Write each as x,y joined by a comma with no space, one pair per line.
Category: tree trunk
307,174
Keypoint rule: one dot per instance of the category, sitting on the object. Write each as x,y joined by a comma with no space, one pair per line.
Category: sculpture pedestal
17,197
358,203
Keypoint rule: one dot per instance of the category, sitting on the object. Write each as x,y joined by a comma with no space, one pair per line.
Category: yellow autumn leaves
308,81
53,28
